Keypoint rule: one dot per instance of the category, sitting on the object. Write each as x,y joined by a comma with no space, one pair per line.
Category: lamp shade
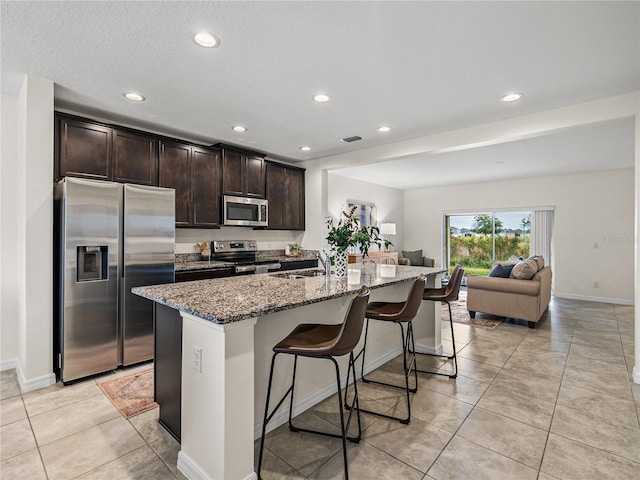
387,229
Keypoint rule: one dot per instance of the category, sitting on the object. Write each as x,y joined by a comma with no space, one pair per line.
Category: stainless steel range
242,253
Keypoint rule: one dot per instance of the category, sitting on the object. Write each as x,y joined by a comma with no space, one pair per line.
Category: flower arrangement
349,233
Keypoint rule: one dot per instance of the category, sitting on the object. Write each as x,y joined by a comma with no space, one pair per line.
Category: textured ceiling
419,67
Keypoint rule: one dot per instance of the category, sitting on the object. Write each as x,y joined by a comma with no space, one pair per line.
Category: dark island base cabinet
167,381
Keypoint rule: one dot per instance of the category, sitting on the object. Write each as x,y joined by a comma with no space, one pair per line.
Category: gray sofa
510,297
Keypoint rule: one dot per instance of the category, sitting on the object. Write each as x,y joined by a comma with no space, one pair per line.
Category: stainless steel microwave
245,211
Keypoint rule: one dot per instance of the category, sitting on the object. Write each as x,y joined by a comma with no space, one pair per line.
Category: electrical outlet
197,358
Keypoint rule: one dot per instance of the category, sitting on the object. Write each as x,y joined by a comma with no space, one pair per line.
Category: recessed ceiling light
384,129
305,148
205,39
134,97
511,97
321,98
239,128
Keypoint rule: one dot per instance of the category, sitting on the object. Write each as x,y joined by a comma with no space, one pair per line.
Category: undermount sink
300,274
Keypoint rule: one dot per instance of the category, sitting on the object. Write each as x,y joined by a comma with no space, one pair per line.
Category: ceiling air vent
355,138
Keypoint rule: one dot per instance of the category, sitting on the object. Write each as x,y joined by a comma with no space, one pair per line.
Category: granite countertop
201,265
227,300
299,258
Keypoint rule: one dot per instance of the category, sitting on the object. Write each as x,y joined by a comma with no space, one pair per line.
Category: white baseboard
302,404
636,375
192,470
8,364
27,385
587,298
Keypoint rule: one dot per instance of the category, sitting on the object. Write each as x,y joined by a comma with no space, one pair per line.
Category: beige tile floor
550,403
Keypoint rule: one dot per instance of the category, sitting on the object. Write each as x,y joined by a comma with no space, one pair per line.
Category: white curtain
542,234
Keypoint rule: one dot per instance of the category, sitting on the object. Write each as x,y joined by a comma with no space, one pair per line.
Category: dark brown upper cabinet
206,187
83,149
285,192
91,150
175,172
195,174
135,158
243,173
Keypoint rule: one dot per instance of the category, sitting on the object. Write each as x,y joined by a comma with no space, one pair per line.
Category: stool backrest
351,330
414,300
453,287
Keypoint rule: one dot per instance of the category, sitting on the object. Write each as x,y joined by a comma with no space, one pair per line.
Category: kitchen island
229,327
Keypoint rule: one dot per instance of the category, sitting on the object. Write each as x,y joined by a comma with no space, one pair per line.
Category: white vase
341,264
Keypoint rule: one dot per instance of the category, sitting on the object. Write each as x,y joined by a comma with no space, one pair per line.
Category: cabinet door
174,172
85,150
294,199
254,176
275,181
206,187
233,171
135,158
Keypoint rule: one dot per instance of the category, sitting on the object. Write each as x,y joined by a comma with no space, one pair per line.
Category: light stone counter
232,299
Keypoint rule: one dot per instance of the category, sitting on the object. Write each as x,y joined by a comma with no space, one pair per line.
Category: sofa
415,258
525,299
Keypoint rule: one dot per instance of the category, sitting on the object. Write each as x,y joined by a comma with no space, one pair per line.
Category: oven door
244,211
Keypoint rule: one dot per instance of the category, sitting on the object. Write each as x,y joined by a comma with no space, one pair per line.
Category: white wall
389,202
589,208
28,233
8,240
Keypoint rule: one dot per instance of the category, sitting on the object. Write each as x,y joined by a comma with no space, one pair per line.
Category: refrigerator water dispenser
92,263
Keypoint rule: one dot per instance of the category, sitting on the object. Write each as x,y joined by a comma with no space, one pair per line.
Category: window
475,240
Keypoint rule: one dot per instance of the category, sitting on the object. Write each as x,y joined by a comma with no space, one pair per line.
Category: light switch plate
197,358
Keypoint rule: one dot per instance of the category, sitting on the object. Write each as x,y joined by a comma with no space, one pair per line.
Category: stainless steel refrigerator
109,237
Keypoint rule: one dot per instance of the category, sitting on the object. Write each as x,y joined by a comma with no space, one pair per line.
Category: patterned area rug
132,394
460,314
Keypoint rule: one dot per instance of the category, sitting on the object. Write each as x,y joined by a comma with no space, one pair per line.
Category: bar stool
399,313
313,340
447,294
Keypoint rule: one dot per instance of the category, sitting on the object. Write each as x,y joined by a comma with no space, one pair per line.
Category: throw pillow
524,270
414,257
539,259
501,271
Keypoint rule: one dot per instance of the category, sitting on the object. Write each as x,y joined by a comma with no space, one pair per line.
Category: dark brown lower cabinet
296,264
167,380
190,275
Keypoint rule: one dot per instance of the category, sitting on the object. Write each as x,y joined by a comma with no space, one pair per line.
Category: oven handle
274,266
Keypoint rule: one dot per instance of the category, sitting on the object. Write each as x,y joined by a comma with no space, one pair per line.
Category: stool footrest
293,428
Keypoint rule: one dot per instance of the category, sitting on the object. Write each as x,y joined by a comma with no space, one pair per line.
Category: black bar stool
399,313
322,341
447,294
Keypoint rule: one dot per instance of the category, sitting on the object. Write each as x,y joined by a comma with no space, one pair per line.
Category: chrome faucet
326,262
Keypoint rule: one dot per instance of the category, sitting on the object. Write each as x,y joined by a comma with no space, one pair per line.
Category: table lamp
387,229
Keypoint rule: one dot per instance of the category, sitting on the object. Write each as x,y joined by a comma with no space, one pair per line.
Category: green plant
349,233
295,248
